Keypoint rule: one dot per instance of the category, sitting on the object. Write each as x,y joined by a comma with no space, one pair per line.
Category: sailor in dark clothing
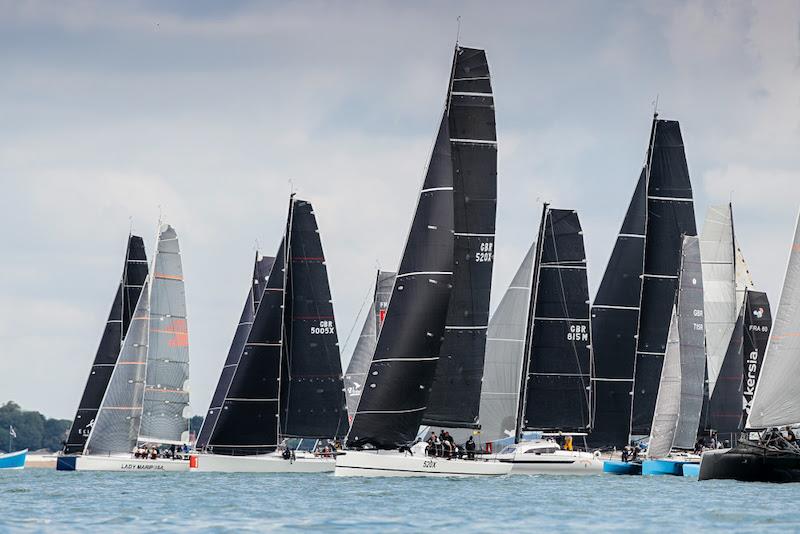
470,446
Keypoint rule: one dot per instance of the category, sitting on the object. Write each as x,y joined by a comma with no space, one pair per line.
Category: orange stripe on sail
168,276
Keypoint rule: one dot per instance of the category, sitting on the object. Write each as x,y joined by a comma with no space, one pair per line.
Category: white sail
116,427
719,284
165,396
505,346
743,279
775,402
691,330
668,402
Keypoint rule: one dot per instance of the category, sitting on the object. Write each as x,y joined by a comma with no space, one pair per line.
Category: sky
209,113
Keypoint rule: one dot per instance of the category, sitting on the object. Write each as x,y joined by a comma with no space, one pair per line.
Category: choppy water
45,500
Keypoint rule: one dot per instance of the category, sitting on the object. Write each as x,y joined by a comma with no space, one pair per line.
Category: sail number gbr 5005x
325,327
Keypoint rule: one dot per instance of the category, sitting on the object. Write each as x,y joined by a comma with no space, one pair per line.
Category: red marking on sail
381,315
180,336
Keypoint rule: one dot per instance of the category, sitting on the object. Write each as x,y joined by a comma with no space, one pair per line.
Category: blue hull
662,467
13,460
691,470
616,467
66,463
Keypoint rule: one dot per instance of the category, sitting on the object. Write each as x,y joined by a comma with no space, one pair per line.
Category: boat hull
691,470
266,463
126,464
395,464
663,466
13,460
750,464
559,463
617,467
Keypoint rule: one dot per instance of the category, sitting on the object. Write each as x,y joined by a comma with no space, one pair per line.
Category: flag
11,431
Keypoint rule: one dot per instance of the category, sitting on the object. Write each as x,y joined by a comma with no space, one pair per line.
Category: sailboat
13,460
146,397
357,369
287,384
680,393
766,453
632,310
258,282
554,381
741,325
134,273
435,300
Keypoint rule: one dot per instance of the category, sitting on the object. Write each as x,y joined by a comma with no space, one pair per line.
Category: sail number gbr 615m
485,253
325,327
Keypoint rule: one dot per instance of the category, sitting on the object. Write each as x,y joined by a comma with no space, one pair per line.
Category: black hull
751,463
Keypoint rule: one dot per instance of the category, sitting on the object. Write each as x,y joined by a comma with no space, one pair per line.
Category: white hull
558,463
396,464
266,463
129,464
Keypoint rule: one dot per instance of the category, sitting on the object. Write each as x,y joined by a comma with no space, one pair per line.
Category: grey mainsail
691,329
775,400
358,367
505,347
165,395
668,400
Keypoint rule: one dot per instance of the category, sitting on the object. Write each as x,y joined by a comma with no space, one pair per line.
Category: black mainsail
402,370
556,376
261,269
288,382
455,396
633,308
134,273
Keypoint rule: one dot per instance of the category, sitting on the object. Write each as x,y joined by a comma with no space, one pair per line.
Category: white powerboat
546,457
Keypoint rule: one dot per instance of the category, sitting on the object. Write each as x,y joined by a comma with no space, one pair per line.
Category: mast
526,359
283,371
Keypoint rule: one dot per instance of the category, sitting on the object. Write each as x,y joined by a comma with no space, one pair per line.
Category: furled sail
258,281
248,421
775,399
615,314
402,369
311,387
455,396
691,331
356,374
165,394
668,401
134,273
116,426
719,284
556,376
505,347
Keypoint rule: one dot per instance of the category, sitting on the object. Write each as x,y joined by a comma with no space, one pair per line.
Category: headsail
258,282
134,274
505,347
402,369
775,400
691,331
165,395
757,326
668,401
455,396
356,374
556,376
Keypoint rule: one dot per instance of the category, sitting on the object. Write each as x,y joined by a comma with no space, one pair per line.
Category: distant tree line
35,431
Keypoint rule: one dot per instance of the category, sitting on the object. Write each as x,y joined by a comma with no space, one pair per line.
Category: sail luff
775,399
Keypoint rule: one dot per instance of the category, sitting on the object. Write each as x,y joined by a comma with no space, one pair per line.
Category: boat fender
192,461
